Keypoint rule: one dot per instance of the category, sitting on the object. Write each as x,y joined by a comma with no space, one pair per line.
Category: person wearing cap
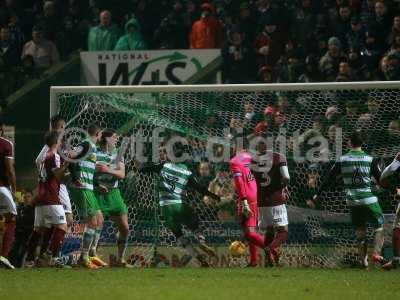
355,37
303,20
43,51
329,63
105,36
206,32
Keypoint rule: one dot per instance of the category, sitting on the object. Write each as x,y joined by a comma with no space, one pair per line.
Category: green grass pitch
195,283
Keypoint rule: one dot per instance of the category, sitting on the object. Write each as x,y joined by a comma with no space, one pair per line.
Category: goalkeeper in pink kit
247,209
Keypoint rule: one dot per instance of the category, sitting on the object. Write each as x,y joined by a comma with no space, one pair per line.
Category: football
237,248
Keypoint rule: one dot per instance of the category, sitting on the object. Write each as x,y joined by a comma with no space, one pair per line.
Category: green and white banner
144,67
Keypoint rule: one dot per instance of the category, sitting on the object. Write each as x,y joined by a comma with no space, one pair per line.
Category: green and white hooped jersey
87,167
173,183
356,172
109,159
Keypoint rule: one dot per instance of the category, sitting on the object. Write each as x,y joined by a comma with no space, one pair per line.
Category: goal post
309,123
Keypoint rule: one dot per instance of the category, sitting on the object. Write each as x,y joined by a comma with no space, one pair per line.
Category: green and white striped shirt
109,159
87,166
356,169
173,183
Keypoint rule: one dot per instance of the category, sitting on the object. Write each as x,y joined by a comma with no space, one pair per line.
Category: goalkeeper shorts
361,215
86,203
112,203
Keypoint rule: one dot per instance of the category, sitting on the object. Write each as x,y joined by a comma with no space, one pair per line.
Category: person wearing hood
206,32
104,36
132,40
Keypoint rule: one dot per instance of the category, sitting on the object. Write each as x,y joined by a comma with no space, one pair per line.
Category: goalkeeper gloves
246,211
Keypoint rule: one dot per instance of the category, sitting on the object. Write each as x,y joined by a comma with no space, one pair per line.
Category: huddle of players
95,170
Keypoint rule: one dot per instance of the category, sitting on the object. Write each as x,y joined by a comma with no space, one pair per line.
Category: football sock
87,240
255,238
279,239
269,235
32,245
8,238
96,238
253,249
57,241
378,240
122,244
47,234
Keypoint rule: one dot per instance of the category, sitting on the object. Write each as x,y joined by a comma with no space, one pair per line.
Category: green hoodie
103,38
131,41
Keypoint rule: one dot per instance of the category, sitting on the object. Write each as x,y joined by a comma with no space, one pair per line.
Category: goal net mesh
294,119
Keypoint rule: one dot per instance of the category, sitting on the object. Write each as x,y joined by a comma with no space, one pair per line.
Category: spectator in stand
291,66
342,24
132,40
191,13
355,37
105,36
311,70
303,19
382,22
50,21
395,29
204,173
345,73
392,68
16,34
206,32
247,23
9,59
173,31
76,28
43,51
264,10
268,43
367,11
266,74
238,65
356,63
329,63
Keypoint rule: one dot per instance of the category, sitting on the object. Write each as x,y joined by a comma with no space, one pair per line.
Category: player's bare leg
361,235
8,239
122,242
70,219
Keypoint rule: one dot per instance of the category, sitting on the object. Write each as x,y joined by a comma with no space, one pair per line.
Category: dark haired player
358,170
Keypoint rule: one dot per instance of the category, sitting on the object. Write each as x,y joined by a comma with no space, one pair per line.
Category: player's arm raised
332,173
389,171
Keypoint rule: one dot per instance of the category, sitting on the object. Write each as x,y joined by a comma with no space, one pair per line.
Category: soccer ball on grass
237,248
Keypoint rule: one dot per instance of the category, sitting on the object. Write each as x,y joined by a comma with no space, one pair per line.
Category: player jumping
247,208
110,169
8,185
176,180
272,176
389,171
82,193
358,171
